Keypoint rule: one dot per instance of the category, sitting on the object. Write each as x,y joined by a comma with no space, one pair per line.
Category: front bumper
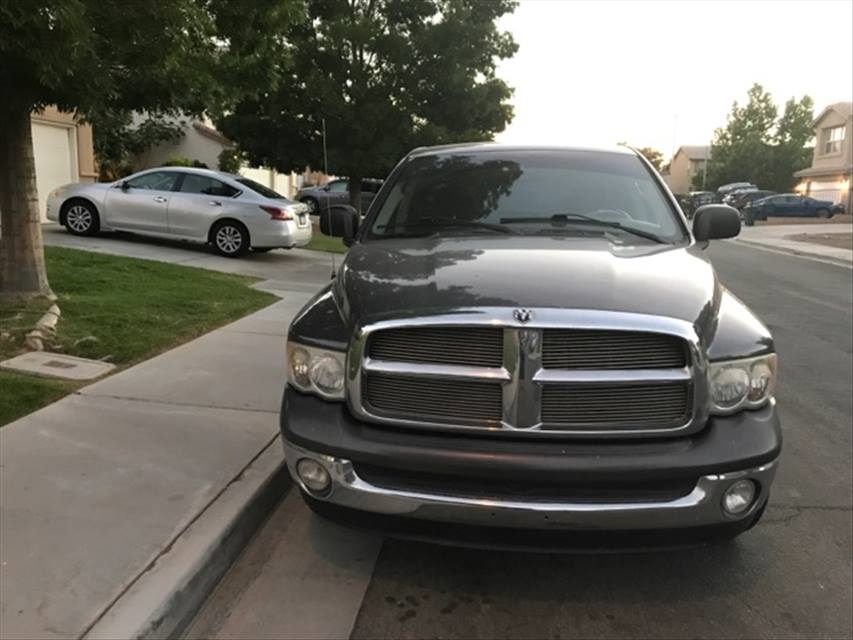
746,445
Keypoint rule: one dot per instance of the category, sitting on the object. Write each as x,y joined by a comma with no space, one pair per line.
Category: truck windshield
527,192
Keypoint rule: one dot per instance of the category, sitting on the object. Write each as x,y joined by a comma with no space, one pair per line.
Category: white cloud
663,74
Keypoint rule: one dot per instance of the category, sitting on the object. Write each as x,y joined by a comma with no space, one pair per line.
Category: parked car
790,205
739,199
728,188
229,212
696,199
337,192
528,345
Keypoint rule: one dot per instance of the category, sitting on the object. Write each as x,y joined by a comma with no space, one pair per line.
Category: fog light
313,475
739,497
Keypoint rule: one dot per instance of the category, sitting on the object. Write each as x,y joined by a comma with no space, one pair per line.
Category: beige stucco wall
845,156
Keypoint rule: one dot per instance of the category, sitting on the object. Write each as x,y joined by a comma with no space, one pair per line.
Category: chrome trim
420,369
523,365
702,506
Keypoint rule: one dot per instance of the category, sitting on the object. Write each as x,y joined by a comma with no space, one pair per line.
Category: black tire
230,238
313,204
80,217
823,213
262,249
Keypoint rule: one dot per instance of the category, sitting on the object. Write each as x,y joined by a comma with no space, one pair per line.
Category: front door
196,203
141,204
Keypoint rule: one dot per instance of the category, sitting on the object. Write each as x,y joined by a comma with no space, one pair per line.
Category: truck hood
381,278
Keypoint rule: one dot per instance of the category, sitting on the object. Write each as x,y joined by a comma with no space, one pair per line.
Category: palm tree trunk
22,271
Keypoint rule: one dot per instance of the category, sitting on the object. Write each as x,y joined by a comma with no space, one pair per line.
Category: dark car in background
739,199
790,205
337,192
696,199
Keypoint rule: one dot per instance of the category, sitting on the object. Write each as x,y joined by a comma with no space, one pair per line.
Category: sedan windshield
555,192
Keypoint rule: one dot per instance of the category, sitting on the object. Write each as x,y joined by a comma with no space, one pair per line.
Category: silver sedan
230,212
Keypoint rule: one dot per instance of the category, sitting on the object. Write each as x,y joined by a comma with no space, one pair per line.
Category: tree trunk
355,193
22,271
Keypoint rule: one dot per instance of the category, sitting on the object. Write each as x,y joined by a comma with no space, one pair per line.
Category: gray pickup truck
529,346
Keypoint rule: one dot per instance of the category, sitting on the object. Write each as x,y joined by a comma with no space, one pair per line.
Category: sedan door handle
214,203
160,199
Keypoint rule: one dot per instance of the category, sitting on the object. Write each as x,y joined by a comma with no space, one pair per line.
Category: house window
832,139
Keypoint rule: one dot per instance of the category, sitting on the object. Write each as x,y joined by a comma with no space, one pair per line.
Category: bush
180,161
230,160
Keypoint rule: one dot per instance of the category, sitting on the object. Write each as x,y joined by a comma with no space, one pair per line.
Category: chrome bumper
702,506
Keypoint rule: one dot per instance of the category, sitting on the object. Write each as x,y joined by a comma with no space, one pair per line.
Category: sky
665,74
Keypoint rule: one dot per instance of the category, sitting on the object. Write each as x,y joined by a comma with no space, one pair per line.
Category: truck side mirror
715,222
340,221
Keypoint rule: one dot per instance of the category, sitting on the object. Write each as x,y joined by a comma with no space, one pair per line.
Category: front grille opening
428,398
556,490
616,406
472,346
597,349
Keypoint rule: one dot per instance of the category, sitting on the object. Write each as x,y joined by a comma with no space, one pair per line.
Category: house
688,161
199,140
831,173
63,152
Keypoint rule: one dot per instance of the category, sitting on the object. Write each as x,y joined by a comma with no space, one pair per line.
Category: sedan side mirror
340,221
124,185
715,222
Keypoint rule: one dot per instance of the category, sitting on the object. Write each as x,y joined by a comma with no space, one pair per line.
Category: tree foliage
94,56
387,76
654,157
118,141
759,146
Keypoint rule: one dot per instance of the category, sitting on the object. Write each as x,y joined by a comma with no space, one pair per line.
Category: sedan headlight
315,370
741,384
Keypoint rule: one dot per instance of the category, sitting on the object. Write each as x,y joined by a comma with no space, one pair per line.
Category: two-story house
688,161
831,173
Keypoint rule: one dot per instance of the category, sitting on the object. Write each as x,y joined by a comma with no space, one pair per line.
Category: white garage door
55,155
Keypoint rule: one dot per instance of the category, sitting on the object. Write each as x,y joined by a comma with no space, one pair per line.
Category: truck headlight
315,370
741,384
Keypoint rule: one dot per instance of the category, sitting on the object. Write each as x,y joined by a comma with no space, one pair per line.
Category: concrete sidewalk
98,489
776,238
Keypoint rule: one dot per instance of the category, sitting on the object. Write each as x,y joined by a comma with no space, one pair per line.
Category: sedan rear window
257,187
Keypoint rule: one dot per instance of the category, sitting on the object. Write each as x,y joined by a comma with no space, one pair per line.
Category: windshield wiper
562,219
452,222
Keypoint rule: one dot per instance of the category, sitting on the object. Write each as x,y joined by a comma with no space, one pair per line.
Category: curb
165,598
808,255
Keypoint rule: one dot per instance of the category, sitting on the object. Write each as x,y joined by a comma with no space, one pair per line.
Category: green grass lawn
320,242
121,310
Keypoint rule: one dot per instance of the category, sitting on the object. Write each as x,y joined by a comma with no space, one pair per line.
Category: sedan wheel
231,239
81,219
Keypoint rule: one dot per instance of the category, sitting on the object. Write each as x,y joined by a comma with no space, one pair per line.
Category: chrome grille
590,349
481,347
555,371
431,398
616,406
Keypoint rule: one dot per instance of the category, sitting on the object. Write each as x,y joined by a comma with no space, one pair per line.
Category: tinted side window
338,185
156,181
208,186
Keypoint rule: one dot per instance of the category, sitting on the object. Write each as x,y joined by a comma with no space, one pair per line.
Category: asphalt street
789,577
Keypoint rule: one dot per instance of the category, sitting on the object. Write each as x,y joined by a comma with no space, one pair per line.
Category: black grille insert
597,349
554,490
616,406
473,346
429,398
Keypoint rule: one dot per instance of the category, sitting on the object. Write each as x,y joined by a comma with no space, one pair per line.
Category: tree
385,76
757,147
91,56
654,157
118,141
